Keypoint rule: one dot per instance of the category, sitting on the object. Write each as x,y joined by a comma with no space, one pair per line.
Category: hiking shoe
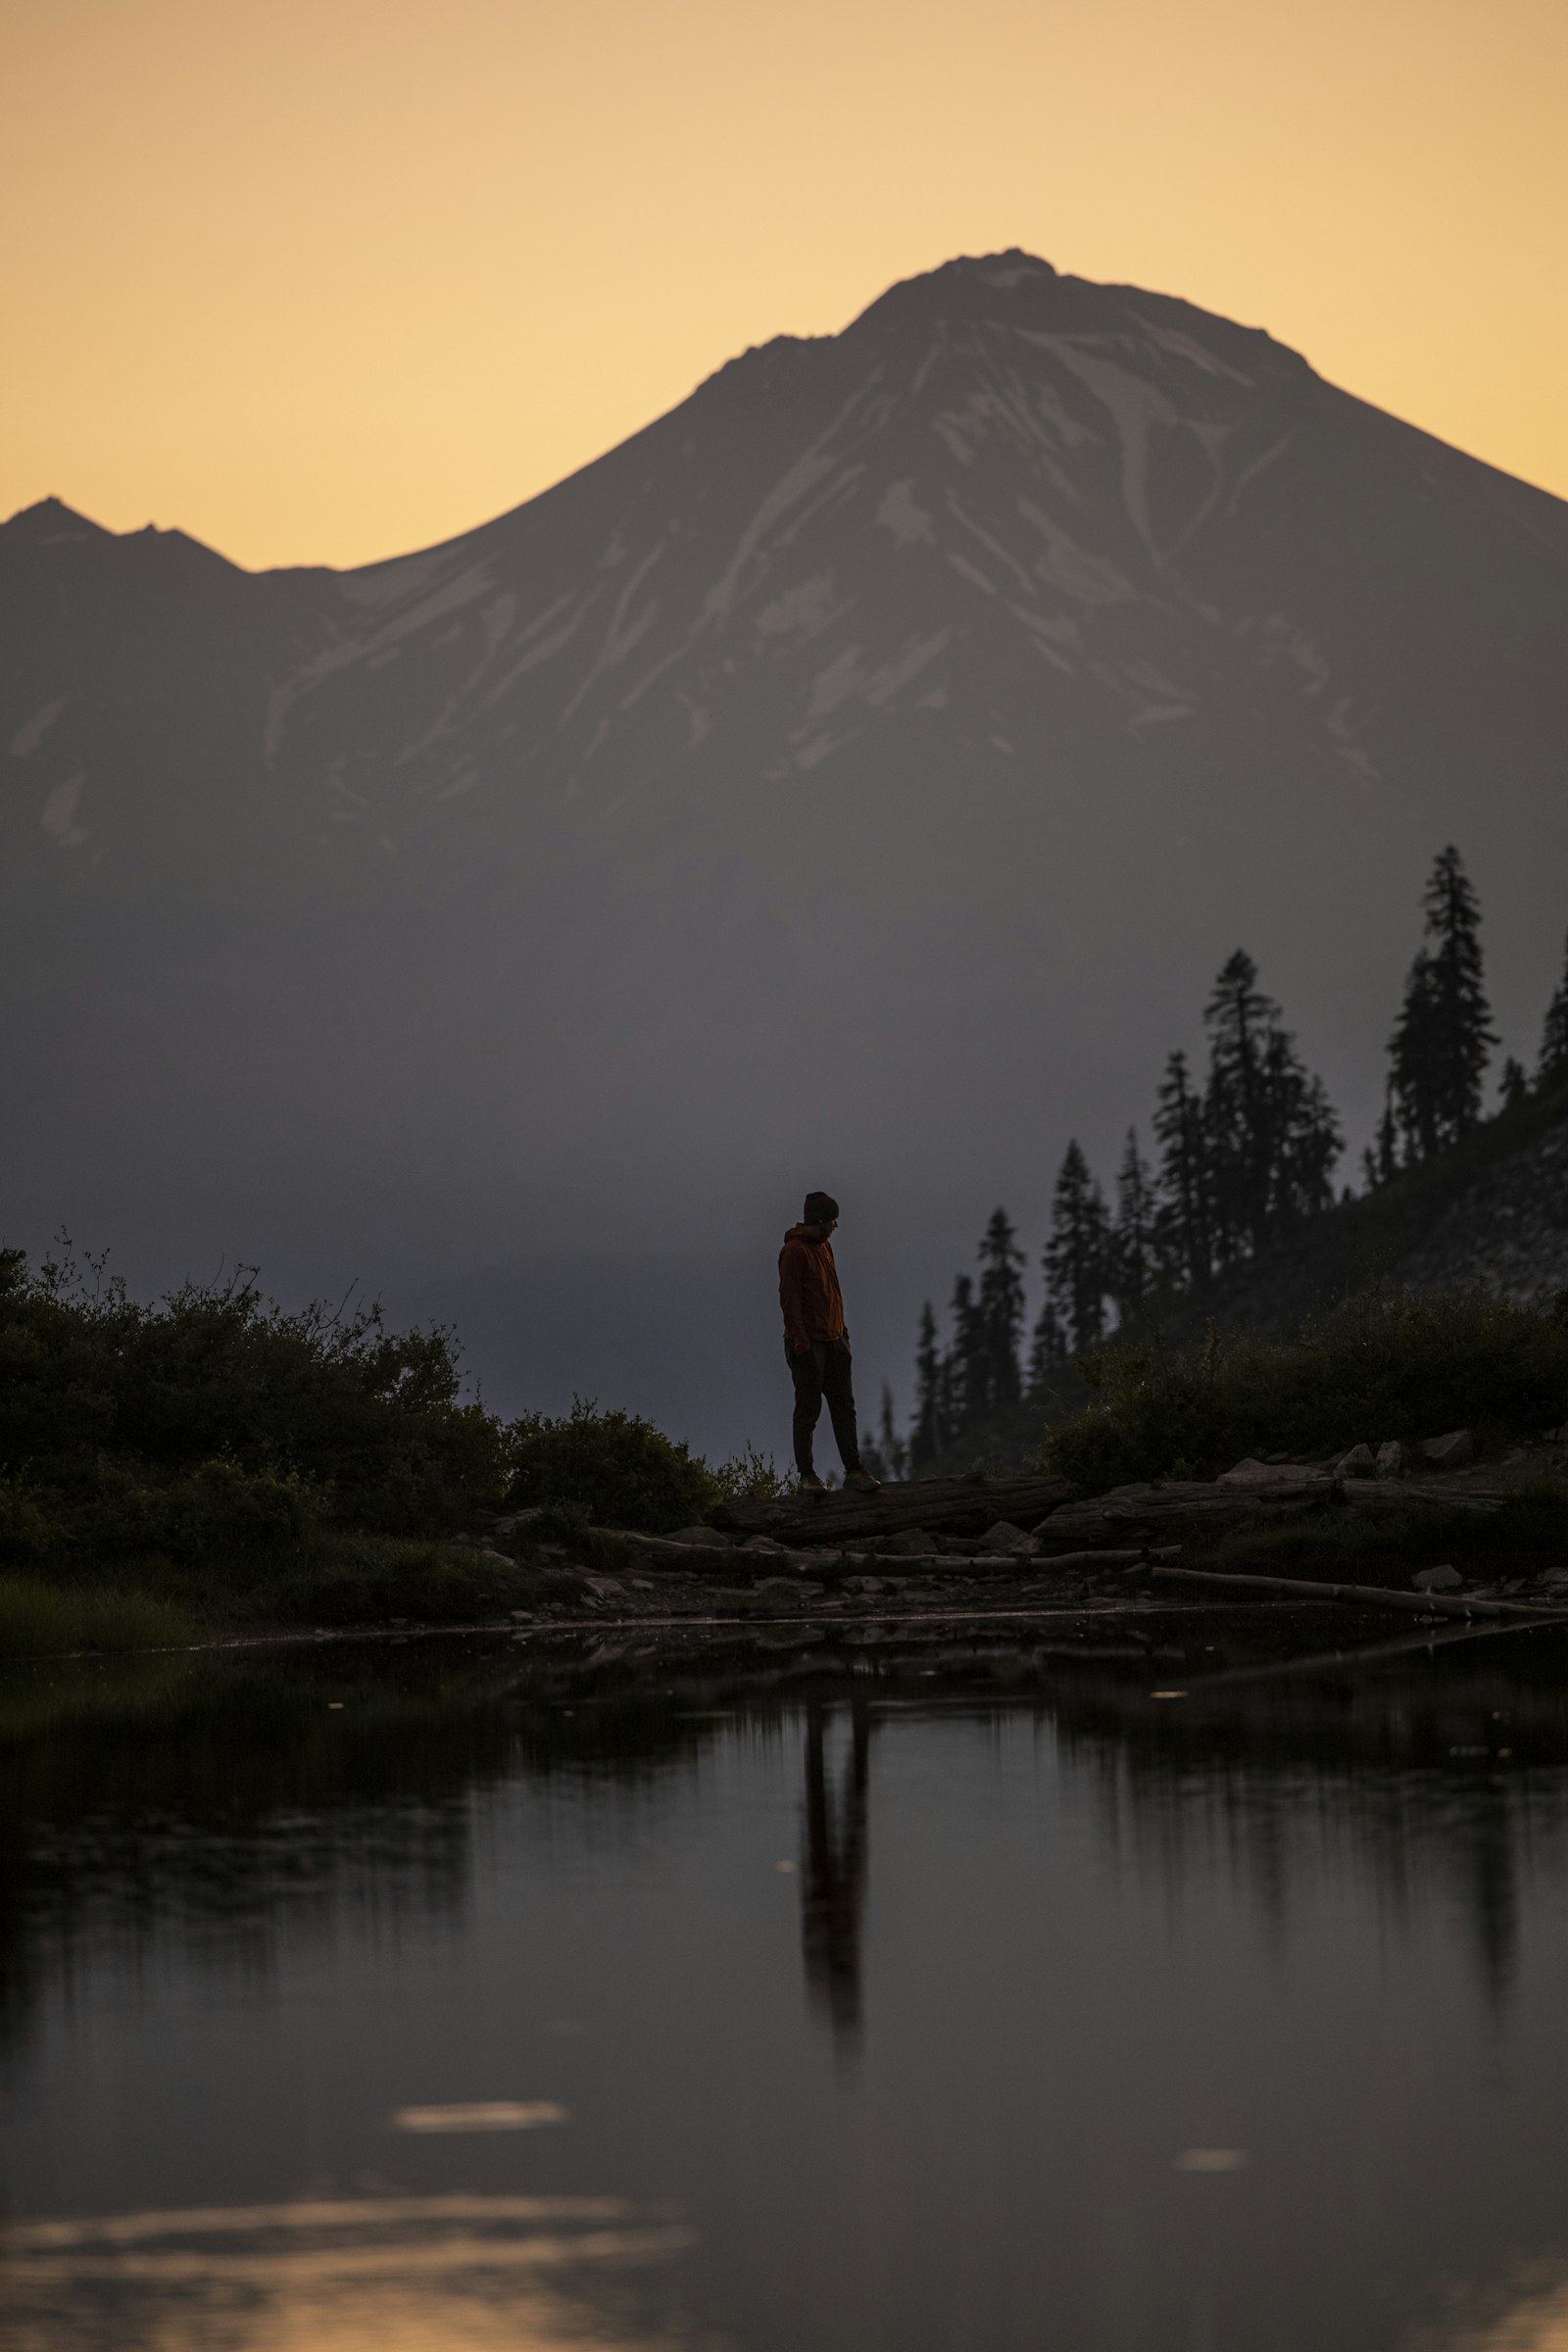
811,1484
863,1482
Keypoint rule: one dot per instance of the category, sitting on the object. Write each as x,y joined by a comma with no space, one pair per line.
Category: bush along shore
214,1464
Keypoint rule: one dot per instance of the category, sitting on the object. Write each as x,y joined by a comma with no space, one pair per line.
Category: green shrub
28,1531
616,1468
216,1421
222,1509
1408,1365
751,1476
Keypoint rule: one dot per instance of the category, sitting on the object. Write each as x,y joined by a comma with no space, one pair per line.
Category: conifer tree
999,1320
928,1434
962,1388
1133,1237
1182,1223
1380,1162
1412,1055
1077,1257
1047,1348
1239,1018
889,1451
1514,1085
1309,1143
1553,1064
1271,1133
1443,1036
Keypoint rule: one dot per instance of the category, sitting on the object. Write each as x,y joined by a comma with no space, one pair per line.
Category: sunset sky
322,280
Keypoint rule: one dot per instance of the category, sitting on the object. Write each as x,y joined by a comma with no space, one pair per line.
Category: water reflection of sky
472,2011
330,2273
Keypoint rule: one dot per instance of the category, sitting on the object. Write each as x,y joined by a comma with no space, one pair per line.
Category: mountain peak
51,518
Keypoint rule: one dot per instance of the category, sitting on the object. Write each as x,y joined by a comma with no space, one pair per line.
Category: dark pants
823,1370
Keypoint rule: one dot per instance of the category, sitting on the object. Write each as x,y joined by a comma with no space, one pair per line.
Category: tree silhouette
962,1383
1270,1132
1000,1314
1183,1231
928,1434
1443,1036
1047,1348
1554,1062
887,1454
1132,1243
1379,1161
1077,1258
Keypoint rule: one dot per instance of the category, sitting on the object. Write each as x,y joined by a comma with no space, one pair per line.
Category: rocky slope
1492,1211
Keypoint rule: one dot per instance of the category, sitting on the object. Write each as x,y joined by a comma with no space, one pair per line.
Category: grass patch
45,1620
365,1580
1408,1365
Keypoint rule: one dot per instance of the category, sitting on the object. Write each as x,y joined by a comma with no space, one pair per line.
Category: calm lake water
905,1992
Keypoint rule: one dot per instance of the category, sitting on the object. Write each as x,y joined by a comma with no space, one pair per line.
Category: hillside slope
1490,1212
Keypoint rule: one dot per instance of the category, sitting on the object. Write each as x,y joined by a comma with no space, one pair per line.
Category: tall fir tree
927,1435
1271,1133
886,1454
1237,1105
1552,1066
963,1386
1514,1085
1411,1056
1133,1241
1310,1140
1443,1037
1047,1348
1379,1161
1077,1257
1183,1227
999,1315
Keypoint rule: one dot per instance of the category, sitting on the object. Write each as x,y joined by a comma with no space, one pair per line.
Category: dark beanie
820,1209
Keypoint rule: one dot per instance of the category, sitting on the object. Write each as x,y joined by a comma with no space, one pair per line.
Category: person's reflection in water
833,1881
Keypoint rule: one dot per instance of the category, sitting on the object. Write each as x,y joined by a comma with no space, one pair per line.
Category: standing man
817,1343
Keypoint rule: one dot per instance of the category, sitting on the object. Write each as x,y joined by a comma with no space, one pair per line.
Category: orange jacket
809,1290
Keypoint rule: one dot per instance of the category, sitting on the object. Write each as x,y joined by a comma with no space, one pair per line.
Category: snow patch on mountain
27,737
897,512
59,817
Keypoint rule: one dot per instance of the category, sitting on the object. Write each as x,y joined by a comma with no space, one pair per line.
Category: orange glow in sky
324,281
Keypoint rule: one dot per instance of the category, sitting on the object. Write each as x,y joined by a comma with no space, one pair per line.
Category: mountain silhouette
854,777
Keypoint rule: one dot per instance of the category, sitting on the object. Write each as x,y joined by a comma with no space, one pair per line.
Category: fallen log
953,1503
1148,1511
1134,1557
1371,1596
1194,1507
1402,1495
